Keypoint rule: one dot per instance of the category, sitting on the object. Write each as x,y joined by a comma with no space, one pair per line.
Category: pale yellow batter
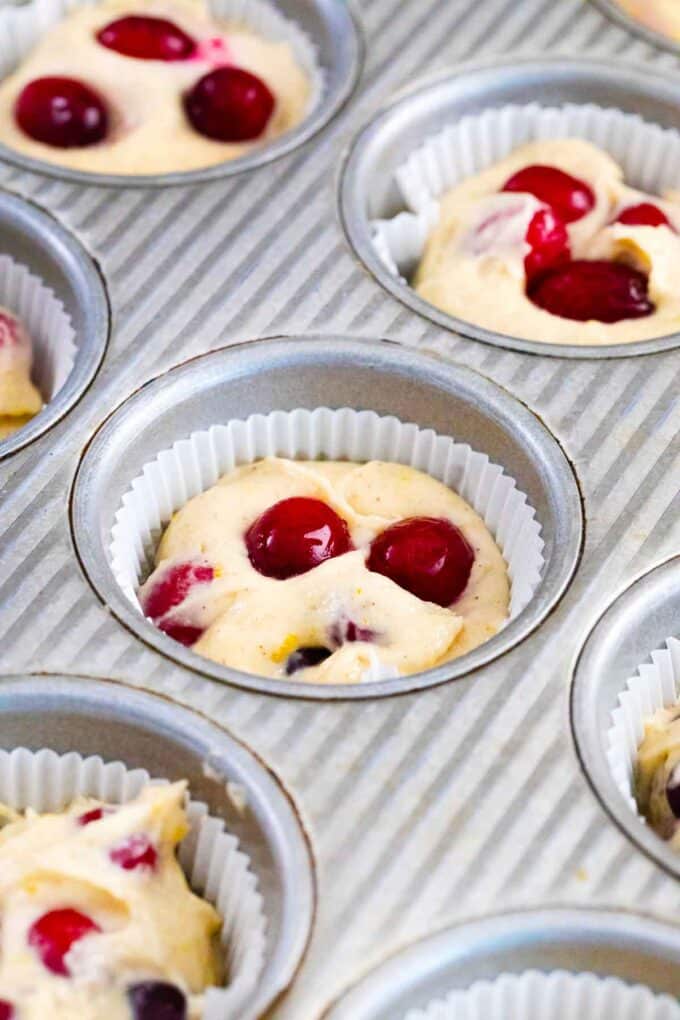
150,133
485,284
658,767
254,622
151,925
19,398
661,15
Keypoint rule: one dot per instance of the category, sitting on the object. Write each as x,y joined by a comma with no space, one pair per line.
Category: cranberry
295,535
53,934
229,105
185,633
605,291
348,631
147,38
9,330
673,792
157,1000
427,556
569,197
173,586
644,215
134,853
61,112
305,656
94,815
6,1010
549,242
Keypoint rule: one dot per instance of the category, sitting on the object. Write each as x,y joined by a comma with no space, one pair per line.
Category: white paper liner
648,154
22,27
558,995
47,322
210,857
655,685
193,465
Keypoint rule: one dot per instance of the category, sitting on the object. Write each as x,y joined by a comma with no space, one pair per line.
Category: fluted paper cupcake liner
194,464
211,859
559,995
648,154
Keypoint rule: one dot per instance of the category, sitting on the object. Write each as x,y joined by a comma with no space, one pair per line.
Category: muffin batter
97,915
19,398
366,625
149,132
661,15
474,266
657,774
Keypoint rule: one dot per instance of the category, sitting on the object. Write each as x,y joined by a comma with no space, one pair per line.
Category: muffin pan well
621,17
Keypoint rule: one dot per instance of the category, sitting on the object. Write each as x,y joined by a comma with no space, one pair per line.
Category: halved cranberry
185,633
306,656
428,556
9,330
157,1000
295,535
134,853
568,196
549,242
94,815
229,105
147,38
173,586
53,934
645,214
62,112
6,1010
604,291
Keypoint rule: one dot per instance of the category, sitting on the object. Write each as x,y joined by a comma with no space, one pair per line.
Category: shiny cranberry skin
6,1010
428,556
644,215
147,38
53,934
549,242
157,1000
569,197
135,853
229,105
62,112
173,586
295,535
603,291
306,656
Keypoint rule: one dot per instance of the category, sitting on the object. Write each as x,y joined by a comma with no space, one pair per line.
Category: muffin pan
620,17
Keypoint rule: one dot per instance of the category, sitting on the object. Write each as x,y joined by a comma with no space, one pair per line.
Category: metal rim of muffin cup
366,190
334,29
313,371
615,13
33,237
636,623
115,722
633,947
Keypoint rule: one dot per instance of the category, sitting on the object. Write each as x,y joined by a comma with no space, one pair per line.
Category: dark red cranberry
229,105
6,1010
185,633
348,631
295,535
673,792
306,656
157,1000
147,38
173,586
568,196
644,215
549,242
62,112
53,934
134,853
94,815
604,291
427,556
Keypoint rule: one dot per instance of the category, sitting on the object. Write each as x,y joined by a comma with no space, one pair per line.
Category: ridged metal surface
428,808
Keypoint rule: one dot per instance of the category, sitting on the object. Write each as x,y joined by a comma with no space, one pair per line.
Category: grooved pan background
428,808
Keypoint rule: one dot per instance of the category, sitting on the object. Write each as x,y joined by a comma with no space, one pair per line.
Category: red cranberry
568,196
61,112
157,1000
94,815
427,556
644,215
6,1010
605,291
9,330
305,656
185,633
173,586
53,934
549,242
147,38
673,792
295,535
344,631
229,105
134,853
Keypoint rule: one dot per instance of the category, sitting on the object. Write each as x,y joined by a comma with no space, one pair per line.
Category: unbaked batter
657,774
19,398
661,15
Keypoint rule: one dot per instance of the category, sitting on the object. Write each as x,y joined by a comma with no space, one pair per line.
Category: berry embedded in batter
597,290
673,792
147,38
62,112
135,853
229,104
6,1010
549,242
169,591
94,815
645,214
53,934
570,198
428,556
157,1000
295,535
306,656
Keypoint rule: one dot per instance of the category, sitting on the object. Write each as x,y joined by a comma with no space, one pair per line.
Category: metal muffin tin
120,724
33,237
367,189
334,32
617,14
635,624
634,949
281,374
